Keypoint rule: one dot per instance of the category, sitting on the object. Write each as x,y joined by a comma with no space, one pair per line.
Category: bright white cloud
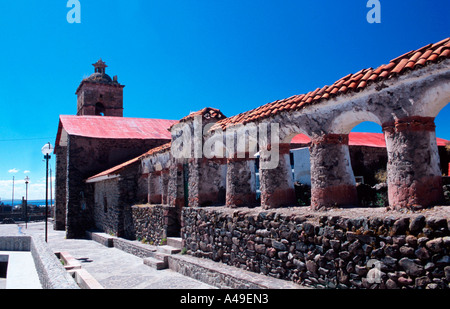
26,172
13,170
36,190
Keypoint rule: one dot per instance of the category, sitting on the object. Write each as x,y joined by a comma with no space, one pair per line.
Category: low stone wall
51,273
354,248
154,223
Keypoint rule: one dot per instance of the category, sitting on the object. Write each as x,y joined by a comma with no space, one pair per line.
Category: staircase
159,259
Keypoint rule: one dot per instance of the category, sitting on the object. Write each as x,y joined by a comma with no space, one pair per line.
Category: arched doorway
443,143
300,160
368,156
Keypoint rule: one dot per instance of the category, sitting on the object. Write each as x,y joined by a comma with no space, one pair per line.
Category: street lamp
27,180
46,151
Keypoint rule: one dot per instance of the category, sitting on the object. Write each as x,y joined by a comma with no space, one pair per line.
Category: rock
345,255
411,240
311,266
422,254
271,252
437,223
400,226
406,251
308,228
432,286
299,264
405,281
422,281
435,245
445,260
417,224
260,248
391,284
447,273
411,267
360,270
278,245
446,241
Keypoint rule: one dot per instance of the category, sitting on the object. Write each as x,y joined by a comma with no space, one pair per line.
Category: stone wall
154,223
106,208
113,199
87,157
341,249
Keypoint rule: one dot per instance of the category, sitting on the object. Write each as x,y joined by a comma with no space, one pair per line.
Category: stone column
240,182
332,180
277,184
414,176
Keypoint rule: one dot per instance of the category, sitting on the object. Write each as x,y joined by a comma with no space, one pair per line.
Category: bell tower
99,95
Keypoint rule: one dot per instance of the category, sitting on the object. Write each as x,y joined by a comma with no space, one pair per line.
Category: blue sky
182,55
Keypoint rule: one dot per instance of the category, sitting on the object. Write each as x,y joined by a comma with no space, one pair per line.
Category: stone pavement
116,269
111,267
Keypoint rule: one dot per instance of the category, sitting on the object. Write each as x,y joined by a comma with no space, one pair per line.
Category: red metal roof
361,139
116,127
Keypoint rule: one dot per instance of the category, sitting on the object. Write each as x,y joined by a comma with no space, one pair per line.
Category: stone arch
99,109
433,100
345,122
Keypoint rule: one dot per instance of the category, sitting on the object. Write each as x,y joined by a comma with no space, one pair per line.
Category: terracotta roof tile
414,59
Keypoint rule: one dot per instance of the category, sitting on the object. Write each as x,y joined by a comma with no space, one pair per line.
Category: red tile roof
361,139
115,127
415,59
208,112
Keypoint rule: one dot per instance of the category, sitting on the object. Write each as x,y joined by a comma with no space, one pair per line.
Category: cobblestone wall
332,251
154,223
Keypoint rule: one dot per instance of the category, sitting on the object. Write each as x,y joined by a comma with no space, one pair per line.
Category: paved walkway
111,267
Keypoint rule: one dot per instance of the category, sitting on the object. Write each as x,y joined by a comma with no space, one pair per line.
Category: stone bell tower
99,95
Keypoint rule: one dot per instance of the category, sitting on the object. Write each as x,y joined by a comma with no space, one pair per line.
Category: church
97,138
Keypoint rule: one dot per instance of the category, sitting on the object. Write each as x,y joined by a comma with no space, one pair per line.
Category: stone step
159,256
155,263
168,249
174,242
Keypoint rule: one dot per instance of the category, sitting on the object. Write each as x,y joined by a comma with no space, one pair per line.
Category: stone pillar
332,180
277,184
414,176
207,182
240,182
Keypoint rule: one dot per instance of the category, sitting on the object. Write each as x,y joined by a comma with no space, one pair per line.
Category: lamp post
27,180
46,151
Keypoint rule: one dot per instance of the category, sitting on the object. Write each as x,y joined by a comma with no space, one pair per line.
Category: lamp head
47,149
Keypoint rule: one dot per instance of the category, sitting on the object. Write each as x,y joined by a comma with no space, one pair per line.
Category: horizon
181,57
